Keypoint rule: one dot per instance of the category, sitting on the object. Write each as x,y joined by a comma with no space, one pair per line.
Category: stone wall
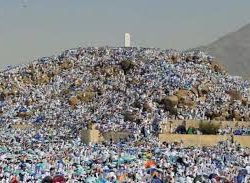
115,136
94,136
204,140
244,141
171,125
194,140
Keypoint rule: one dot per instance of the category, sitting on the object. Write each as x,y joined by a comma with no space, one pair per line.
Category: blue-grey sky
46,27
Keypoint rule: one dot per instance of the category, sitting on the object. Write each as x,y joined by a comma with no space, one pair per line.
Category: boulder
137,104
78,82
184,98
234,94
28,102
86,96
209,115
90,126
182,93
246,118
173,111
43,79
189,102
66,64
224,109
9,92
195,91
26,80
244,101
73,101
203,90
65,92
24,114
174,58
189,59
216,114
148,106
55,72
170,102
130,116
236,115
15,91
114,71
217,67
126,65
226,115
220,118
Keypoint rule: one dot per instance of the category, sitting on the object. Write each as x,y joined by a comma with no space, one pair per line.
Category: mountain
233,51
118,88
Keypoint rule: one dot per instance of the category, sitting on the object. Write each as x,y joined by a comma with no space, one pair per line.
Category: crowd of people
118,89
237,131
24,158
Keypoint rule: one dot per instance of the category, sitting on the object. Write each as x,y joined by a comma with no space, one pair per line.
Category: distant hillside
233,51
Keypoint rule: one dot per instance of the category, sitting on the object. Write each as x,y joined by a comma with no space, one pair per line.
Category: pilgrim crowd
26,157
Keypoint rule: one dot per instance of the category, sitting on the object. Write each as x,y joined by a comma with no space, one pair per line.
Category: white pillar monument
127,40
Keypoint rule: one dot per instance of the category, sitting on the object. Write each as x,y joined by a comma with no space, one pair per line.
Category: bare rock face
78,82
27,80
234,94
236,115
85,96
217,67
73,101
24,114
246,117
44,79
131,116
66,64
148,106
185,98
195,91
170,102
203,90
245,101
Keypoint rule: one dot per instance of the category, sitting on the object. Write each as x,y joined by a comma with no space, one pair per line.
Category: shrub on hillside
126,65
191,131
208,128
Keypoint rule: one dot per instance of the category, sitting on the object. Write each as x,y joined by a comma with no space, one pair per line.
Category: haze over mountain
233,51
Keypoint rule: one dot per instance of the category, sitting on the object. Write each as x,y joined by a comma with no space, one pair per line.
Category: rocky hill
120,88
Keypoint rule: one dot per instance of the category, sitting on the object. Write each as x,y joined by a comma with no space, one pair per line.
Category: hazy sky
46,27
